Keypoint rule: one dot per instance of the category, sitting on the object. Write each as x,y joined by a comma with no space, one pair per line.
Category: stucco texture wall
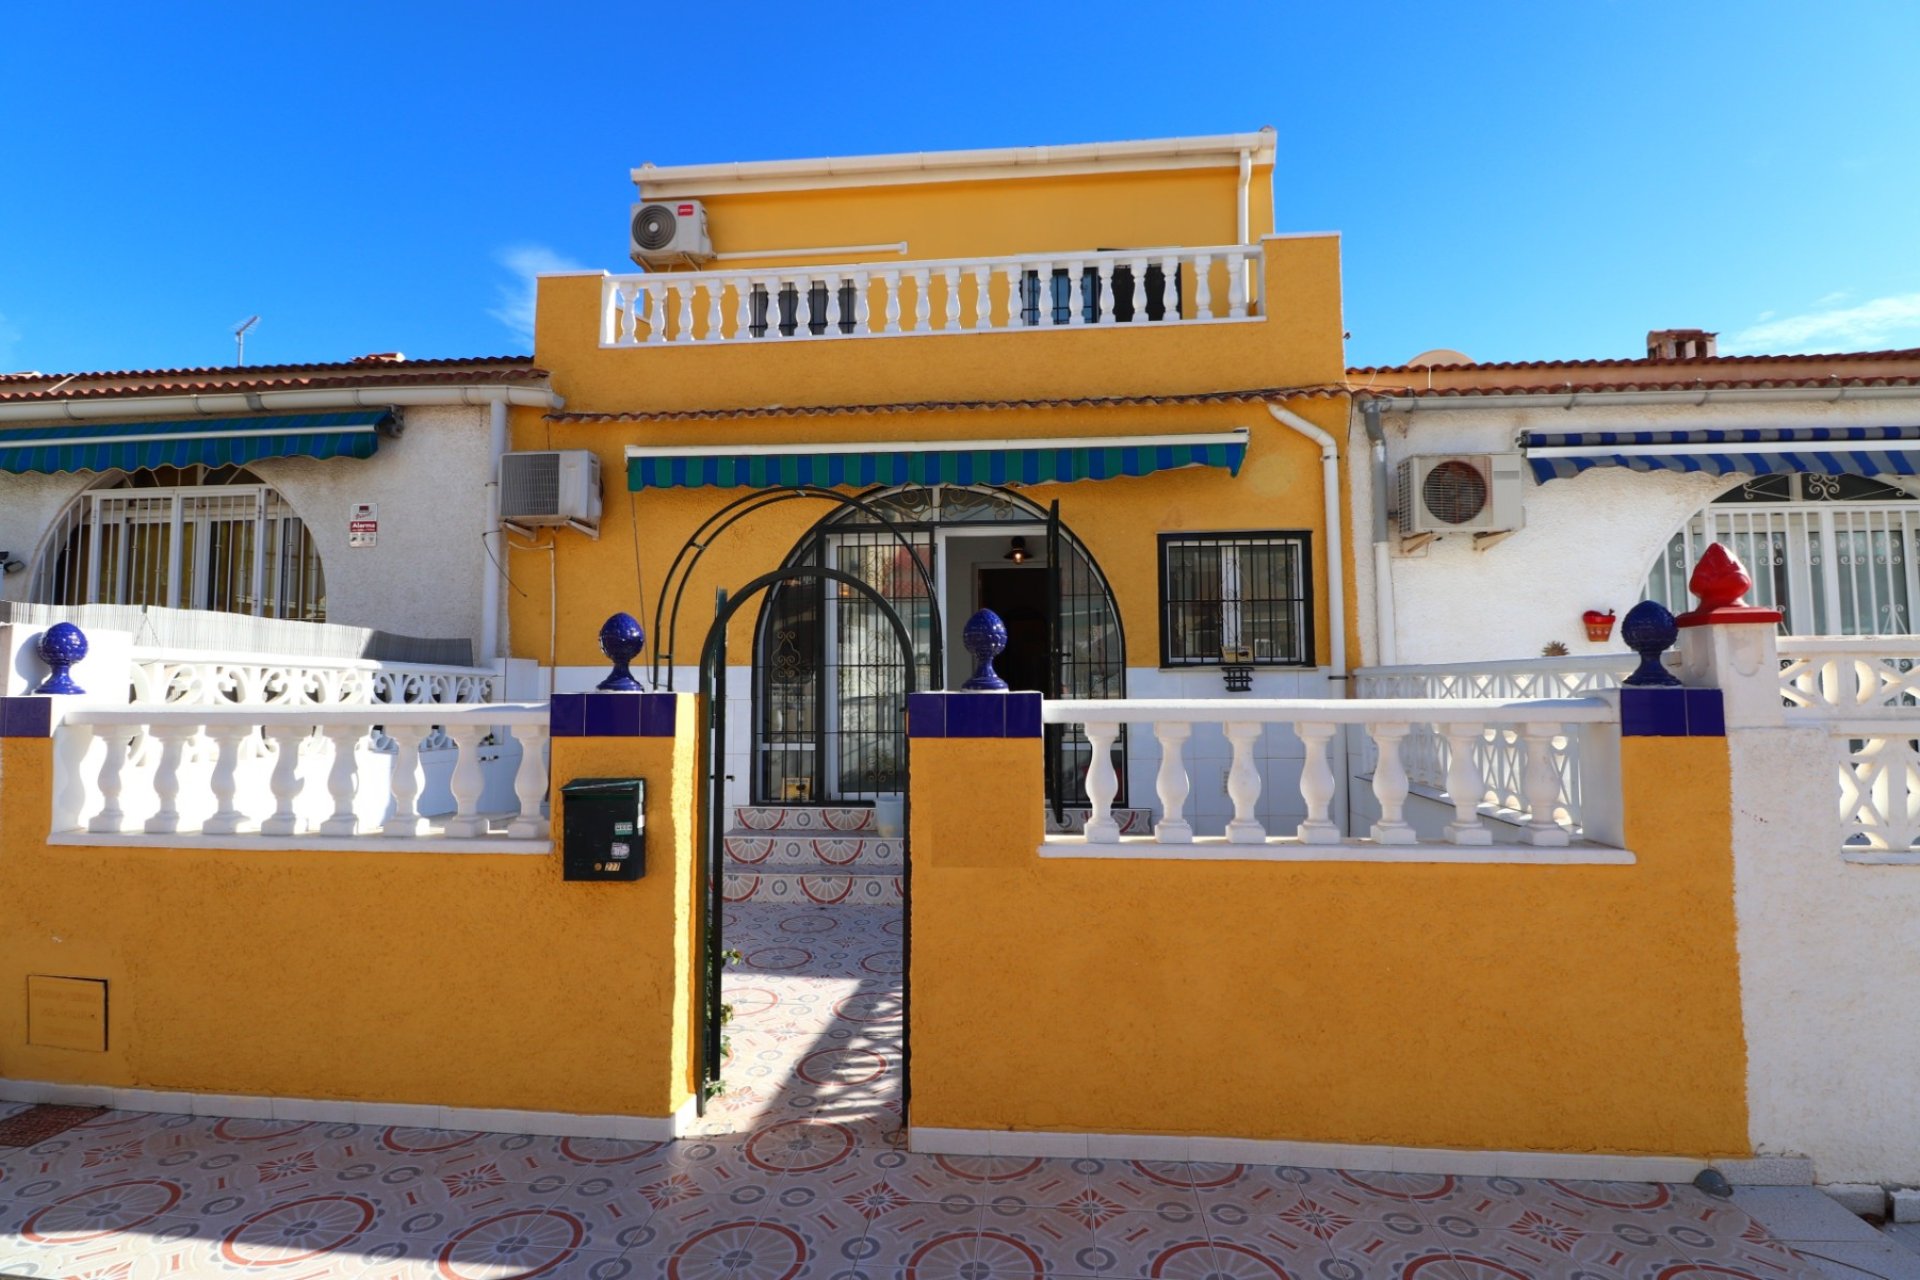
1588,541
1588,1009
424,575
1827,951
454,979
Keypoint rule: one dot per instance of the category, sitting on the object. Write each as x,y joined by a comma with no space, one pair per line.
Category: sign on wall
363,524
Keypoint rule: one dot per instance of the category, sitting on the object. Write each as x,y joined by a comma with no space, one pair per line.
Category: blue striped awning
131,446
926,462
1753,451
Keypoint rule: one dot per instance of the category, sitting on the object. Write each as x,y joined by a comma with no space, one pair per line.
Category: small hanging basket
1599,625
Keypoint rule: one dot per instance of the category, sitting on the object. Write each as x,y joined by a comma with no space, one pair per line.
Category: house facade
1060,382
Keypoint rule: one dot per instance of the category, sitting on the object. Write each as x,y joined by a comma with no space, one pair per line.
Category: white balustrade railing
221,679
1541,728
1851,676
1879,768
1087,289
335,771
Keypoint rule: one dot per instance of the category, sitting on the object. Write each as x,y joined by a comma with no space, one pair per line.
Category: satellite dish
1439,356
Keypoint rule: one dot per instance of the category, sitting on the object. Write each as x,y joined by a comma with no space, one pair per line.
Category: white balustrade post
467,782
1390,785
629,314
656,311
530,783
983,297
862,302
1170,271
685,331
1138,266
715,289
1172,782
922,301
1243,783
1103,784
1074,271
1236,286
166,777
285,781
1316,785
1542,783
71,743
1104,273
951,275
1464,785
405,780
1202,288
113,766
1016,284
890,289
343,780
609,311
226,817
1044,313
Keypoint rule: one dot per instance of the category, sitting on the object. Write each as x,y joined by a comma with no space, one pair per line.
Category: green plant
715,1087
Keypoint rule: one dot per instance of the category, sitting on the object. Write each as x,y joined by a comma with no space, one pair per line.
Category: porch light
1017,551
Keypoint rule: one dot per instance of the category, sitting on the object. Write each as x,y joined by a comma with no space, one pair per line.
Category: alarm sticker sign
363,524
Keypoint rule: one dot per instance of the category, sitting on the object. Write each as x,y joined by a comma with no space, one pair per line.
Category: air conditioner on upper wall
1478,493
667,233
551,487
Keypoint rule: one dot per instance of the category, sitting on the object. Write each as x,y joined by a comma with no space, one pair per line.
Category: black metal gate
1086,658
710,874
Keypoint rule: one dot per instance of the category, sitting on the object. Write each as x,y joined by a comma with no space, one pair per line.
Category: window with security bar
184,538
1236,599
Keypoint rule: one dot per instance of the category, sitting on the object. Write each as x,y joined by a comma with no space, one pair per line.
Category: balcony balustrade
1091,289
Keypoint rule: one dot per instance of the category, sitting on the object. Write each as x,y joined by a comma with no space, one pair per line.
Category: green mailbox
603,831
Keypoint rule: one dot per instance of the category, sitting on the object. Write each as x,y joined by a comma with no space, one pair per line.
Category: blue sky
1517,181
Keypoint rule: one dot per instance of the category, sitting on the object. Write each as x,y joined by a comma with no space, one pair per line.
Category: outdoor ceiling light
1017,551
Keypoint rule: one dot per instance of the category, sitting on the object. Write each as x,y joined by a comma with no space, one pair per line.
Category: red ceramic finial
1722,582
1720,579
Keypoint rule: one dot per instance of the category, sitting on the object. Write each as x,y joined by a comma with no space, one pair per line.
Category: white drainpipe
1246,186
490,538
1336,543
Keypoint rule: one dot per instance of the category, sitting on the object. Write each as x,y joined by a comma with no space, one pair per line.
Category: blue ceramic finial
60,646
621,639
1650,631
986,639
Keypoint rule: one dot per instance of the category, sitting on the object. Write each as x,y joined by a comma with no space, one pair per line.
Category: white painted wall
424,576
1828,954
1588,541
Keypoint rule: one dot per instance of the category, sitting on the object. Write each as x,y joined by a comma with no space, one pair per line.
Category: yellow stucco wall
1591,1009
468,980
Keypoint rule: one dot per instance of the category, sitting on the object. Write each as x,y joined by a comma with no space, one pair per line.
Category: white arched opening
1835,554
183,538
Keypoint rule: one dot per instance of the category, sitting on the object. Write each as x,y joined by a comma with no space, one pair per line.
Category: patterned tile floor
816,1183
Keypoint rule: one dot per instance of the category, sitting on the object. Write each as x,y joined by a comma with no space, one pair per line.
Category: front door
1018,593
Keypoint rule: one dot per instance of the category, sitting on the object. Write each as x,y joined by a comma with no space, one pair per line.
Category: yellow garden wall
452,979
1576,1009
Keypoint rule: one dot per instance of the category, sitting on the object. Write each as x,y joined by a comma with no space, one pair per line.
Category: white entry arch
192,537
1834,553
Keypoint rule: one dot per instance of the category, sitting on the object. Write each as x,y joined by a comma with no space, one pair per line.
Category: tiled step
824,819
810,854
1133,822
873,887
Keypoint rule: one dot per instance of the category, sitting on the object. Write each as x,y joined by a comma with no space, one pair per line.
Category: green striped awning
215,442
926,462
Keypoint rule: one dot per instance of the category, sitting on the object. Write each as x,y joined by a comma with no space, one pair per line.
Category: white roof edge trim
1603,399
1239,435
230,403
1226,146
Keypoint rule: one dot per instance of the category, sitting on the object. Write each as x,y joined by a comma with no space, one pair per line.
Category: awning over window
130,446
1756,451
890,462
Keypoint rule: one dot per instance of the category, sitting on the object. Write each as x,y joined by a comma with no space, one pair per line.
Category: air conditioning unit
551,487
669,233
1460,493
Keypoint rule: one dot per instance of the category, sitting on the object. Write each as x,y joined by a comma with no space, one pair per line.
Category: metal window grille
1244,598
188,538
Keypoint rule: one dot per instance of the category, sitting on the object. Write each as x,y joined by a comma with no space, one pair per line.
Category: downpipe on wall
496,567
1336,542
1385,643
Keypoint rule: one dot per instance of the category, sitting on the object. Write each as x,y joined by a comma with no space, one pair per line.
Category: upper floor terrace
1153,267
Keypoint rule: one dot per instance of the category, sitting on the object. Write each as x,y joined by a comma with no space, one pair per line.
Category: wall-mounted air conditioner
551,487
1476,493
669,233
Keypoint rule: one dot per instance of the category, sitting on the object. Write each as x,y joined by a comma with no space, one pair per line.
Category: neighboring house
1061,372
1625,469
354,493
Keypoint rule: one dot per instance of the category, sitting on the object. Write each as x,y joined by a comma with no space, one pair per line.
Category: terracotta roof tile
19,387
1909,354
